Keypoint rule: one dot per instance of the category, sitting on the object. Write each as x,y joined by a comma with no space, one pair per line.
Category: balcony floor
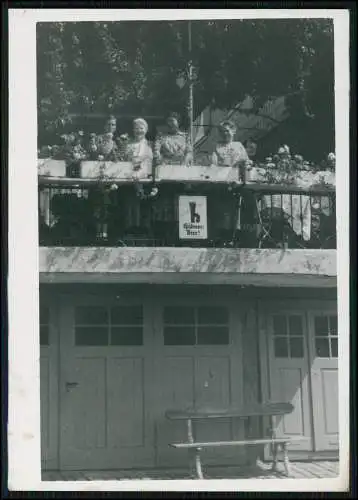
299,470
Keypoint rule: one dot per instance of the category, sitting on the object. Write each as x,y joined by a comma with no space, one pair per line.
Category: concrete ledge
188,265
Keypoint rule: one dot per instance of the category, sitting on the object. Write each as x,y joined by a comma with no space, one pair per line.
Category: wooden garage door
198,364
123,364
106,385
48,386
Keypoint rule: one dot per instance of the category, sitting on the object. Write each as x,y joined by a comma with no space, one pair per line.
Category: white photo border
24,460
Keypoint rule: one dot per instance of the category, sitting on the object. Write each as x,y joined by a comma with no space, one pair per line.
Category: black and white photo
190,324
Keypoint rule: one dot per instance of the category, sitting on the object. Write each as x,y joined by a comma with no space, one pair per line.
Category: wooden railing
110,204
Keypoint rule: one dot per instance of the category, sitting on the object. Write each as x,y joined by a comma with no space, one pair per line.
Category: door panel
45,403
213,390
199,365
106,385
289,374
48,386
324,356
329,378
293,424
175,390
126,401
89,424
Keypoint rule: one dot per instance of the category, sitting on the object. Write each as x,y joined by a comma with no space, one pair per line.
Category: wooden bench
271,410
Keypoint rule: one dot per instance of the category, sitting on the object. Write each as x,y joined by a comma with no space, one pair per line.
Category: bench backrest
267,409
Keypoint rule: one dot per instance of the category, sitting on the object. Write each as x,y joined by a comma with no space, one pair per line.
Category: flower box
324,178
51,168
196,173
114,171
302,178
256,174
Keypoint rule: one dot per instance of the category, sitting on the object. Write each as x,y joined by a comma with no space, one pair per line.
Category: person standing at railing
227,152
138,150
105,144
173,147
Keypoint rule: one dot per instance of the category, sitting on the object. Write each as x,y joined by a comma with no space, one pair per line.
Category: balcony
108,204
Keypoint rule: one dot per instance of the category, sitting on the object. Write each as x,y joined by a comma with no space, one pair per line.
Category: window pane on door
334,348
322,347
296,347
321,326
213,335
326,336
91,315
279,325
295,325
127,315
126,335
91,336
179,315
185,325
179,335
333,326
281,347
212,316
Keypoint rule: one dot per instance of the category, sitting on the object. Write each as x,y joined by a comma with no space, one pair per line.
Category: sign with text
193,223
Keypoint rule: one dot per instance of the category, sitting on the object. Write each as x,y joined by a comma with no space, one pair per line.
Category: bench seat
236,443
269,409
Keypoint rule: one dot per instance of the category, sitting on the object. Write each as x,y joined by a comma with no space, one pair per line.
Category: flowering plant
284,167
122,142
72,148
284,161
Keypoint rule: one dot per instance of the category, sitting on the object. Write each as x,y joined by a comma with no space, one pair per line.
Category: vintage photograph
187,249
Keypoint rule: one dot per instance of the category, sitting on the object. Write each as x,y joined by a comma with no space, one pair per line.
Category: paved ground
299,470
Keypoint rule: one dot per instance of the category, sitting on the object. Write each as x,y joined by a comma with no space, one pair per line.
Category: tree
132,67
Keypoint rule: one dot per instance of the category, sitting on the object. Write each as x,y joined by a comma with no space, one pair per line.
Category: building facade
137,325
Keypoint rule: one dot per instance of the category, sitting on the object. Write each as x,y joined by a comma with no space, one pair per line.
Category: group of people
171,147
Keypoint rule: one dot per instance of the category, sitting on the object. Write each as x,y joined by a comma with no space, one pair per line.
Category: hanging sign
193,223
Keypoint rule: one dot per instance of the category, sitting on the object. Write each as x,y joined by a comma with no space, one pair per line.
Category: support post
191,98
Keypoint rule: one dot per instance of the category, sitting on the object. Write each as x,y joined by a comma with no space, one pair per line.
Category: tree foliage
132,67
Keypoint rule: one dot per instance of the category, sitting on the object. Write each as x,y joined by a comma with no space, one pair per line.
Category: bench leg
285,459
199,471
274,444
195,463
274,456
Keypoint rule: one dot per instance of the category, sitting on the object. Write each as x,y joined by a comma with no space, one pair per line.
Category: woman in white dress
228,153
138,150
173,147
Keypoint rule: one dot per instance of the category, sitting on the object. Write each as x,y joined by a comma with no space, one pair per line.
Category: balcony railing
109,204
